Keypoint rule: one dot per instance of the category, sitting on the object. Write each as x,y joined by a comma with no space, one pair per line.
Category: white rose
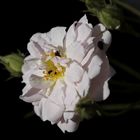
64,67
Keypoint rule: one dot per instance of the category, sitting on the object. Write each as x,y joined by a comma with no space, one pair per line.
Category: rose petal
68,115
83,86
36,37
57,94
71,35
39,83
106,39
35,50
96,91
84,32
56,36
88,56
30,64
76,52
26,89
83,20
40,39
94,66
74,73
52,107
38,109
71,96
106,90
69,126
31,71
98,29
32,95
26,76
51,111
101,34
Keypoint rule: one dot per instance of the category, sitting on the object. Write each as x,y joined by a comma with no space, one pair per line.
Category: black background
19,21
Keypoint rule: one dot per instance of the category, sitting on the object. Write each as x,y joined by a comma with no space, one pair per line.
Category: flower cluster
64,67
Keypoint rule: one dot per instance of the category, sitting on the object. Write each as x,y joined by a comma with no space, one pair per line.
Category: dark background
19,21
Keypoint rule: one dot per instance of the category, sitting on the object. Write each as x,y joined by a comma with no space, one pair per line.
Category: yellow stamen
53,72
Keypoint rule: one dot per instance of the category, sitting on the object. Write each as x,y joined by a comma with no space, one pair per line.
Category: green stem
126,68
108,110
128,7
118,109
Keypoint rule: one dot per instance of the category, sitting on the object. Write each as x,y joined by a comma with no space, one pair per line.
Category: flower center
53,69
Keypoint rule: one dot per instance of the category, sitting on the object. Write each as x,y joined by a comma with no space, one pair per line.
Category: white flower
64,67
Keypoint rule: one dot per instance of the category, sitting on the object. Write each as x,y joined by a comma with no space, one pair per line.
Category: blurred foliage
107,12
13,63
86,108
112,13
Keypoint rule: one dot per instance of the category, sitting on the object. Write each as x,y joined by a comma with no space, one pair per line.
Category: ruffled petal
39,39
26,89
100,33
56,36
88,56
106,90
32,63
94,66
26,76
39,83
106,39
68,115
71,96
99,87
74,73
83,20
83,86
58,93
70,36
38,108
69,126
51,111
52,107
31,95
75,52
98,29
84,32
44,40
35,50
